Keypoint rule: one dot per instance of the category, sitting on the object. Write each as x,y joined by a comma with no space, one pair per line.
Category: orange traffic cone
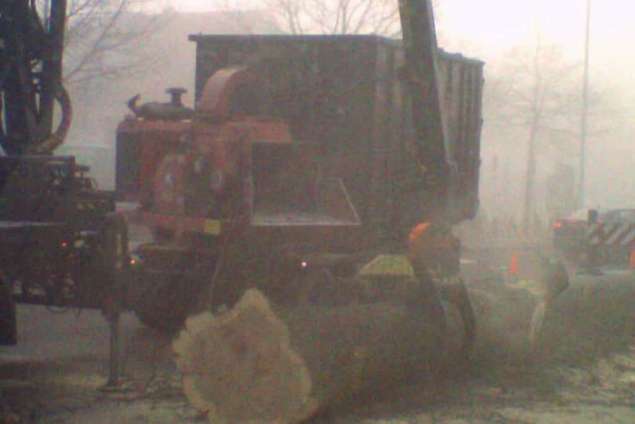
514,267
631,262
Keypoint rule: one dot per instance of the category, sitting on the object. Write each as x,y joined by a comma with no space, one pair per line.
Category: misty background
533,88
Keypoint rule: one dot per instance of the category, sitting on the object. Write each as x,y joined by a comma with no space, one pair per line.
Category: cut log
594,317
239,366
504,317
268,363
524,322
512,317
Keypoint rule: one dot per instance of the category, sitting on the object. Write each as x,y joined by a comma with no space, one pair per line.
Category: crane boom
429,138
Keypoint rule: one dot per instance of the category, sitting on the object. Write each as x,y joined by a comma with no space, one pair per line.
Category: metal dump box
345,94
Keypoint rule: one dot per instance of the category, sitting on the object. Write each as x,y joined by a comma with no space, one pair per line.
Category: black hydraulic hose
428,302
456,294
49,145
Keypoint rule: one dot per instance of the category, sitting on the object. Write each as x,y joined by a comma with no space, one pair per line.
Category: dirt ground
603,391
589,376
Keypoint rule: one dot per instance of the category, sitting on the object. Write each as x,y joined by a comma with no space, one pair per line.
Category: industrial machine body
303,151
341,101
303,158
59,236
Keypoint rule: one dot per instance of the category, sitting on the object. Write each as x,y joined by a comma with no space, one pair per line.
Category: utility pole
585,109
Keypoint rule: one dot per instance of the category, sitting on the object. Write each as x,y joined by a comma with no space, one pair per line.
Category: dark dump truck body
346,94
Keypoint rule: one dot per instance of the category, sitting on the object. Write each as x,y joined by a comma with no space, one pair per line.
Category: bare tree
337,16
535,90
379,17
102,40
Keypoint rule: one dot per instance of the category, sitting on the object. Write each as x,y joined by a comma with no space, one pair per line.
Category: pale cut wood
264,364
239,367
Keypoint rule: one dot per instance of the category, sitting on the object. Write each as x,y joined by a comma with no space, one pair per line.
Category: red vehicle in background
569,233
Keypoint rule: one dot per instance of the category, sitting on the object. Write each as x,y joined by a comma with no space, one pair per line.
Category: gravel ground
56,393
591,378
602,392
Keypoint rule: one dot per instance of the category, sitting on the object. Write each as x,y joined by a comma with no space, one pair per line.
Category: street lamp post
585,109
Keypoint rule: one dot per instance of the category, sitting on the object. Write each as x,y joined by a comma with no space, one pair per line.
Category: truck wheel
8,322
165,303
168,283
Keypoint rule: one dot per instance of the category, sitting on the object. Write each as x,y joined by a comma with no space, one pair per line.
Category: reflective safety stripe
594,233
621,234
629,238
619,231
212,226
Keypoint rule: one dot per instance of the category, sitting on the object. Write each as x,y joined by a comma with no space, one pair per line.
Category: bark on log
504,317
281,364
263,362
593,317
512,317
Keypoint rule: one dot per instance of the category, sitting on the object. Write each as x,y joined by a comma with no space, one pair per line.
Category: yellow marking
211,226
534,288
358,365
393,265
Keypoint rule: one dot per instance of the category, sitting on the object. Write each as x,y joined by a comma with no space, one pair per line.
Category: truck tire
165,301
168,283
8,322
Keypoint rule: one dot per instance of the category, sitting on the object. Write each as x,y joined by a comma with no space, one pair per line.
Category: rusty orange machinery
197,176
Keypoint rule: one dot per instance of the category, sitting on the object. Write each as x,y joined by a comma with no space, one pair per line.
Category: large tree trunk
267,363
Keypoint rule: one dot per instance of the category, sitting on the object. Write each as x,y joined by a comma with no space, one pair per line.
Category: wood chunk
281,364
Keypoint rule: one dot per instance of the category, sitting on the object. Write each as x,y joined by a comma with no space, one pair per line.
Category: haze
485,29
488,28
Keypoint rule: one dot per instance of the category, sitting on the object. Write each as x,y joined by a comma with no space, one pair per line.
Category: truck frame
305,156
62,243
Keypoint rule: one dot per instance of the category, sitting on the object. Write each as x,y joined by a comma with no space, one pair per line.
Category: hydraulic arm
421,72
31,50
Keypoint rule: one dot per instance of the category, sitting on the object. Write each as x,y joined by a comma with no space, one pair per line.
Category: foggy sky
487,29
504,22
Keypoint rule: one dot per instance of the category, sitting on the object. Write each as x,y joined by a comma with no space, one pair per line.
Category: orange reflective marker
514,267
417,232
